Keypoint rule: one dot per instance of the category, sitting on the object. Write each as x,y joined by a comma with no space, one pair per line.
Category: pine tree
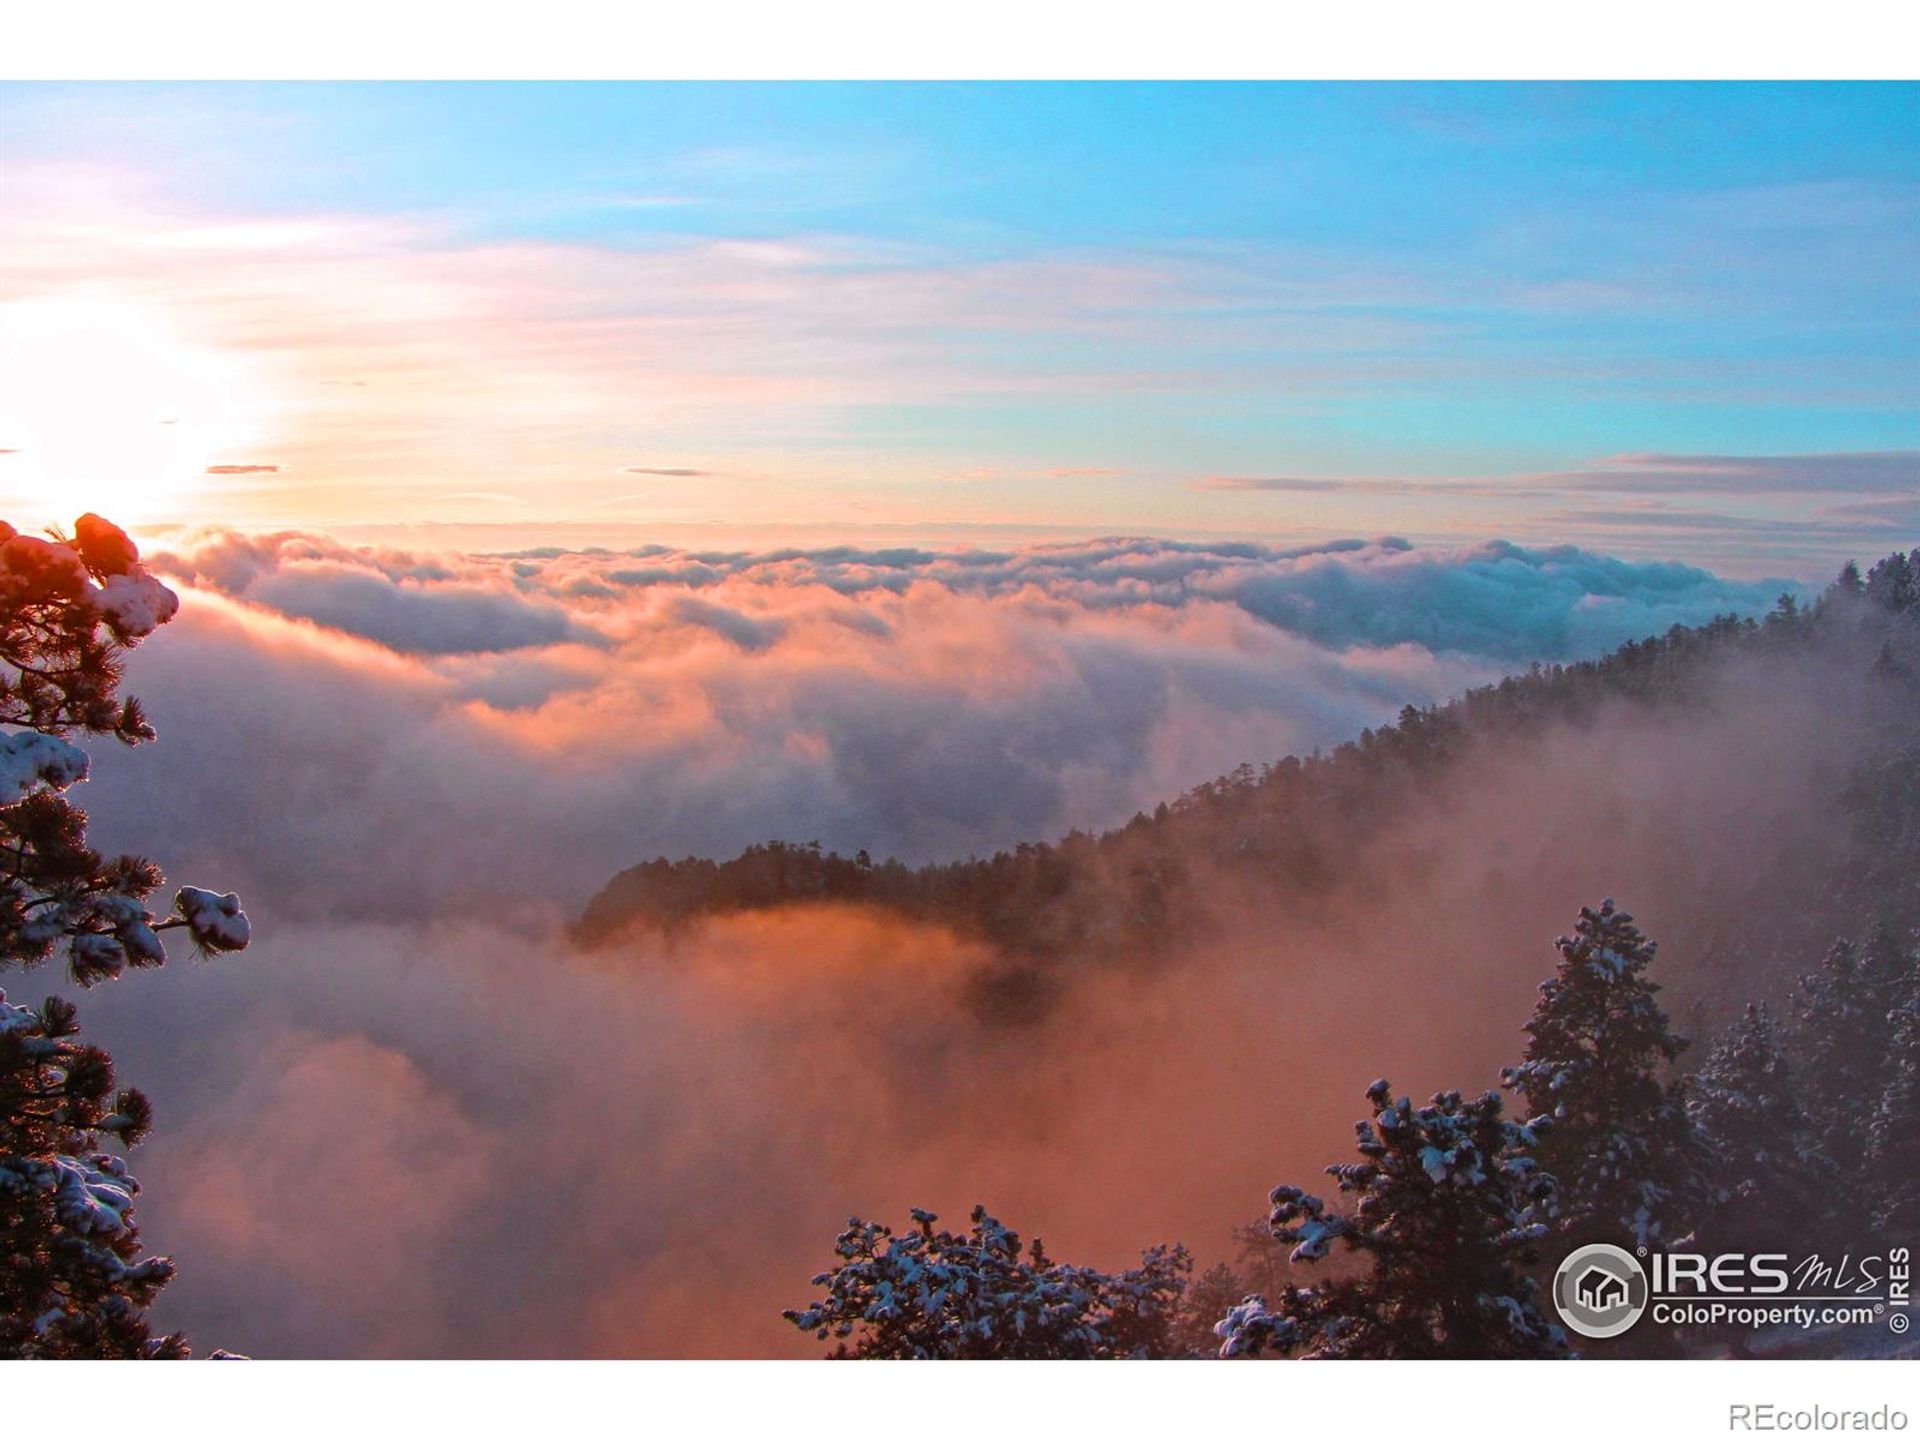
1892,964
1893,1140
1894,583
73,1284
930,1294
1843,1033
1765,1178
1445,1220
72,1281
1620,1145
1209,1295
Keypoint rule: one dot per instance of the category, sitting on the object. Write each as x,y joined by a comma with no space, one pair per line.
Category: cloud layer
1495,600
415,1122
336,704
443,1132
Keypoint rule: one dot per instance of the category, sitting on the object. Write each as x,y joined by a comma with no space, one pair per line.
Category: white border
1026,39
979,39
477,1400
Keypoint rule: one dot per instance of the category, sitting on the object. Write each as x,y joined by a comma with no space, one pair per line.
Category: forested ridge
1789,1131
1307,833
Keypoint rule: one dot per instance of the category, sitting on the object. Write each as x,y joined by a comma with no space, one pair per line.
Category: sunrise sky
558,477
1651,320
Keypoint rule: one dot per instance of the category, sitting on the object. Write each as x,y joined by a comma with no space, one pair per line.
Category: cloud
671,473
443,620
443,1132
338,705
1495,600
400,346
449,354
1900,514
1845,472
1507,487
1851,472
243,469
1284,483
408,607
1749,510
744,630
413,1121
1664,517
399,1160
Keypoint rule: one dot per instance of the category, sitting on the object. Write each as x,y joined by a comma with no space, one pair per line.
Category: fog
411,1120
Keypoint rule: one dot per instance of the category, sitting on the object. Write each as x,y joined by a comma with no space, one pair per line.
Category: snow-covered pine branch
69,609
73,1280
1445,1210
928,1293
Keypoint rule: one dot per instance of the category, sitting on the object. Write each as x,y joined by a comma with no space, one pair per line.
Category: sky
1661,321
555,477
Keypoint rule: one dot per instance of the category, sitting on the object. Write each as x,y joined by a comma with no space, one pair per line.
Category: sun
102,408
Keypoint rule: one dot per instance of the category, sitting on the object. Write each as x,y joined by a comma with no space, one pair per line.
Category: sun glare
102,408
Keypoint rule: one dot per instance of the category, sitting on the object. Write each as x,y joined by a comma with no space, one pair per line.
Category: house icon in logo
1600,1290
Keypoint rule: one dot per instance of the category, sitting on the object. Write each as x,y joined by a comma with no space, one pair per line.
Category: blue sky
1086,306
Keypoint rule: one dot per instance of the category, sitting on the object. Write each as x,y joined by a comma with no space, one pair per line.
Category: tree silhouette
931,1294
1446,1215
1893,1148
1620,1145
73,1283
1765,1178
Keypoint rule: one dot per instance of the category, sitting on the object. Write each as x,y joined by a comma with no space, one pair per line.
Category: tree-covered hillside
1309,837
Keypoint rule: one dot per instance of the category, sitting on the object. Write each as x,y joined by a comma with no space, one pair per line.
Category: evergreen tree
1894,583
73,1284
929,1294
1892,965
1209,1295
1844,1030
1445,1220
1620,1145
1893,1142
72,1280
1765,1178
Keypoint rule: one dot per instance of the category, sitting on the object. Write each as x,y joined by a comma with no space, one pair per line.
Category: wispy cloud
1509,487
1286,484
404,361
1847,472
1668,519
1843,472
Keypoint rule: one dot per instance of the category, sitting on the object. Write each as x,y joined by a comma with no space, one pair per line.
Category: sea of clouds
412,1121
534,721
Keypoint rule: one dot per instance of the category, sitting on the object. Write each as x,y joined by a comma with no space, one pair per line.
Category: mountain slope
1757,781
